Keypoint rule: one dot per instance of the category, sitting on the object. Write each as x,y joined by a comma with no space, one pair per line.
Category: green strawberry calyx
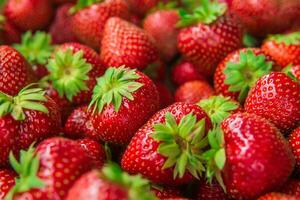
215,157
69,72
81,4
36,48
28,98
218,108
115,84
243,74
288,71
208,12
182,144
138,187
287,39
27,170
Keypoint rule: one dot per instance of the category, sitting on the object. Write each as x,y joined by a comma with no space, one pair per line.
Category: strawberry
94,151
90,17
208,35
193,92
161,25
73,72
110,183
25,118
60,28
276,97
29,14
7,181
293,71
123,100
294,140
260,19
14,71
167,149
135,47
63,1
219,107
156,71
9,34
48,171
277,196
292,187
37,49
284,49
211,191
185,71
165,95
248,156
239,71
165,192
141,7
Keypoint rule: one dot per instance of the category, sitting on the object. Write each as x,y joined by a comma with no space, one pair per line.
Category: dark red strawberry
250,155
168,148
25,118
211,191
293,71
260,19
126,44
63,1
73,72
239,71
193,92
210,35
110,183
29,14
48,172
14,71
7,181
90,17
185,71
166,192
284,49
165,95
277,196
37,49
276,97
294,140
123,100
61,28
161,25
141,7
292,187
9,34
94,151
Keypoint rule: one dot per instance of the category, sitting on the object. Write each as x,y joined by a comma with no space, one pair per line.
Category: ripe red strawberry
251,156
166,192
37,49
73,72
126,44
277,196
7,181
239,71
292,187
210,36
52,169
163,149
294,140
9,34
193,92
165,95
276,97
94,151
260,19
284,49
185,71
25,118
110,183
211,191
61,28
123,100
29,14
293,71
141,7
90,17
14,71
161,25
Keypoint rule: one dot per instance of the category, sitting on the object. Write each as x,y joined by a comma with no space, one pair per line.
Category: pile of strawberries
149,99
